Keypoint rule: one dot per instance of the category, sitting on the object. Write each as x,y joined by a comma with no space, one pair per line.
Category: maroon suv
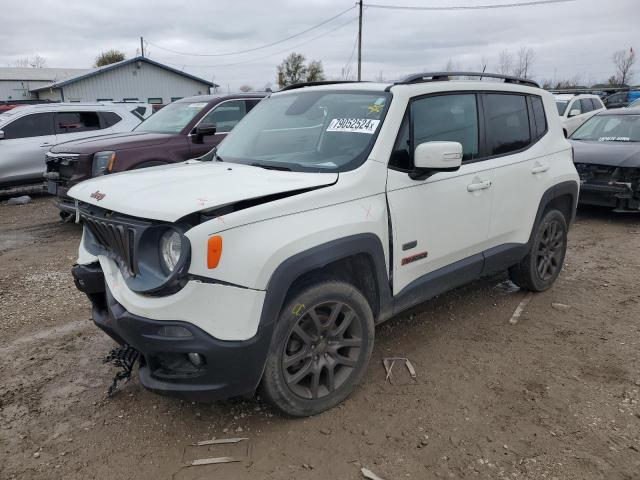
187,128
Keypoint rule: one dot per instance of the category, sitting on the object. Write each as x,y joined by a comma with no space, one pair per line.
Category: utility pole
360,41
141,47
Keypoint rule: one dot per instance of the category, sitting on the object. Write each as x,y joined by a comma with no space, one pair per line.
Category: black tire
320,348
542,265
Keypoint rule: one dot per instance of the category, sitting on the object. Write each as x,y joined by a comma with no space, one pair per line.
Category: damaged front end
610,186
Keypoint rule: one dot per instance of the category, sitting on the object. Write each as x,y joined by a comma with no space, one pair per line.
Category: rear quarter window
109,119
539,117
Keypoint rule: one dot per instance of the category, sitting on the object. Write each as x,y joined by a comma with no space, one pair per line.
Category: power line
342,25
468,7
256,48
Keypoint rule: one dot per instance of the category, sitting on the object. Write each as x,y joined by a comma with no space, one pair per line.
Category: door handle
484,184
540,168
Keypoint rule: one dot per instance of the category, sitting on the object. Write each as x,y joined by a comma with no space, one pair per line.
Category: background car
28,131
187,128
634,104
621,99
574,110
607,157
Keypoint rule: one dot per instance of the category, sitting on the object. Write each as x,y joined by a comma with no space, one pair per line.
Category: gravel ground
554,396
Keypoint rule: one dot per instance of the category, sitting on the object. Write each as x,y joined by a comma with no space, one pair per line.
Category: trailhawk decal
353,125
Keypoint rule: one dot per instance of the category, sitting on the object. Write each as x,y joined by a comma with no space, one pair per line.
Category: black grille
118,239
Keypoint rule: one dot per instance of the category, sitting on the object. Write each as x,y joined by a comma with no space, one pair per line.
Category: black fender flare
569,187
319,256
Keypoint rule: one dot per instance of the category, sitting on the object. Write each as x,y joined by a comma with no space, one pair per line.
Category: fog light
196,359
174,331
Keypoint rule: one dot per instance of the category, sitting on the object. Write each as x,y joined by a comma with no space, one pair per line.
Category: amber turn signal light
214,251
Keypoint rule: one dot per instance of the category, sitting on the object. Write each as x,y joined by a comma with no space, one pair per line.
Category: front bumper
229,368
619,196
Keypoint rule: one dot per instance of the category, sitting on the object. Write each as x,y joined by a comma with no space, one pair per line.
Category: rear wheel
320,348
540,268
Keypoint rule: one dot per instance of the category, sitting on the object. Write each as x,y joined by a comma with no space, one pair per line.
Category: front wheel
542,265
320,349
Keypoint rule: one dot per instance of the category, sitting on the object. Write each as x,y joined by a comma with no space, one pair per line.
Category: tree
246,88
293,70
34,62
524,62
109,57
623,62
315,72
505,63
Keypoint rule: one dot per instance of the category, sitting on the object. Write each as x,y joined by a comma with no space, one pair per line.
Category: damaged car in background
607,157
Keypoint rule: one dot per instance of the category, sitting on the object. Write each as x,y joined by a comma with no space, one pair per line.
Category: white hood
170,192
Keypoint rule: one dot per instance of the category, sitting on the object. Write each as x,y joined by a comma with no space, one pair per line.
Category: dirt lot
555,396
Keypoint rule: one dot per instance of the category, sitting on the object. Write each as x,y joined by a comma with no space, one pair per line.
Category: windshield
609,128
308,131
561,105
172,118
635,104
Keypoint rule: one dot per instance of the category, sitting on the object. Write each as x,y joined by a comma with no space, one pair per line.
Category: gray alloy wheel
320,348
542,265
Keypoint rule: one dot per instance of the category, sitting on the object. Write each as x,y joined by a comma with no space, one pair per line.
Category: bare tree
34,62
380,77
246,88
524,62
623,62
505,63
109,57
452,66
346,73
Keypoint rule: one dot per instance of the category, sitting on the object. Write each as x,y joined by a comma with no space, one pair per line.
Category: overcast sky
577,37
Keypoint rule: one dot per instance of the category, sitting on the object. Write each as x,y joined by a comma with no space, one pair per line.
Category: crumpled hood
170,192
614,154
112,141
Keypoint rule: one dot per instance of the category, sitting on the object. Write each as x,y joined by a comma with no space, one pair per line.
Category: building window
155,100
75,100
130,99
175,99
104,100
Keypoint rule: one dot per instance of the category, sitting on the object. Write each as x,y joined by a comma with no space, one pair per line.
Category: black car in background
607,157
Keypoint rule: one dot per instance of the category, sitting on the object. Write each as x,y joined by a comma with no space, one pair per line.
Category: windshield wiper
270,167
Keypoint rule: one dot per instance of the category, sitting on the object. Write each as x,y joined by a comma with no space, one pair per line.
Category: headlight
170,250
102,163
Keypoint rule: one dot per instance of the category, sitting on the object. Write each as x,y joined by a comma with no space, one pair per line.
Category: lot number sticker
353,125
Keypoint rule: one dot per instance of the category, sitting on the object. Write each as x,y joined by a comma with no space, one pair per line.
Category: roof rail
444,76
294,86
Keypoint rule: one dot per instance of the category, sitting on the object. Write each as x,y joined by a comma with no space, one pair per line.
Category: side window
575,106
401,154
36,125
597,103
109,119
539,116
139,112
252,103
586,105
507,123
452,118
72,122
226,115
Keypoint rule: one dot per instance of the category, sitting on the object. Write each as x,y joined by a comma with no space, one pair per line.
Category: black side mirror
204,130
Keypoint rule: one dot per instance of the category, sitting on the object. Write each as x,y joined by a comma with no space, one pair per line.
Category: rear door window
35,125
575,108
506,123
74,122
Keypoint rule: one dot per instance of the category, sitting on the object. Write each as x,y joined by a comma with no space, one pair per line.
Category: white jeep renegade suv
329,209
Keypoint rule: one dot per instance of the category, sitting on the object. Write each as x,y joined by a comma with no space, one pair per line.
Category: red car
187,128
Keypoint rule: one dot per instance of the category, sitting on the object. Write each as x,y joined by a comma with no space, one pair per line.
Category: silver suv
27,132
